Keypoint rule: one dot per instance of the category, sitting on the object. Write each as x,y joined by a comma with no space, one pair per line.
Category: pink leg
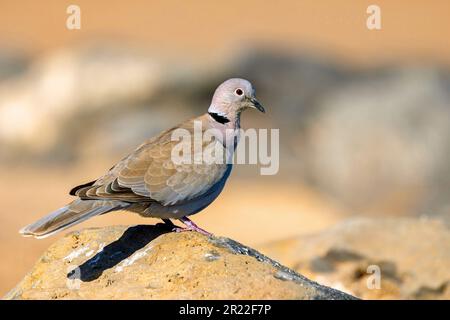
191,226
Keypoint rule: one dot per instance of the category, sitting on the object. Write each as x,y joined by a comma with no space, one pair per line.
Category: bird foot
191,226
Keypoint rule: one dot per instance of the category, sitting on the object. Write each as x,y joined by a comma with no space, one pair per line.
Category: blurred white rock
33,107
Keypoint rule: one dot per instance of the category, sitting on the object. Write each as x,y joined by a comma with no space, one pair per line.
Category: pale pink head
233,96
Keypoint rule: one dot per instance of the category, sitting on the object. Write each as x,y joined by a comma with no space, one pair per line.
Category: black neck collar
219,118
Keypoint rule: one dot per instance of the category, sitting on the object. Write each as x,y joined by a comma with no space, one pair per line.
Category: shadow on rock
133,239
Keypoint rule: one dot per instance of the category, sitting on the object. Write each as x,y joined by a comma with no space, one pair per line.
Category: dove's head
232,97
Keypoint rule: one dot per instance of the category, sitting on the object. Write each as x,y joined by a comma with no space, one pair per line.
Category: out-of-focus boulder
150,262
383,144
411,256
64,95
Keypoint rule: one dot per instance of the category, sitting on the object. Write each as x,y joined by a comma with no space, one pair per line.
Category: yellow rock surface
150,262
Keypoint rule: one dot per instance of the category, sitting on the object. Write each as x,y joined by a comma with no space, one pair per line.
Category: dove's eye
239,92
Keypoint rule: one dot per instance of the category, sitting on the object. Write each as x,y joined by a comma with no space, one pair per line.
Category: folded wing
149,174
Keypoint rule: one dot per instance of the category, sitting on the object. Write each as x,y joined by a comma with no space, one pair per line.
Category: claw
191,226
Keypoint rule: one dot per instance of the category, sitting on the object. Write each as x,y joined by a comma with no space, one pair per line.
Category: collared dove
149,182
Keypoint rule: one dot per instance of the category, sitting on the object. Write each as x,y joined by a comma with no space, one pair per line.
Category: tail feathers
65,217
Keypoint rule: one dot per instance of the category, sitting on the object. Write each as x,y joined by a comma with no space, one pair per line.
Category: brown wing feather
148,174
73,191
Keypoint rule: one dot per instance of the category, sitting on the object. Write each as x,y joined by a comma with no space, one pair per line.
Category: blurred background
364,115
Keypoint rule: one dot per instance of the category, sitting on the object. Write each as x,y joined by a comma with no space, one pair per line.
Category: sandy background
201,29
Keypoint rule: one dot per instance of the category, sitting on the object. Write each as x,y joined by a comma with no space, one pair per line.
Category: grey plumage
150,183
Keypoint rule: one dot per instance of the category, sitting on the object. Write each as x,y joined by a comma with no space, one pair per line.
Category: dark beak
257,105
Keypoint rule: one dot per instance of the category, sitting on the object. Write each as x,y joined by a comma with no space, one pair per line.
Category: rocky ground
150,262
412,256
395,258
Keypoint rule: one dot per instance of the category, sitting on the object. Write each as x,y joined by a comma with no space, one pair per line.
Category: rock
412,255
65,94
383,143
150,262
